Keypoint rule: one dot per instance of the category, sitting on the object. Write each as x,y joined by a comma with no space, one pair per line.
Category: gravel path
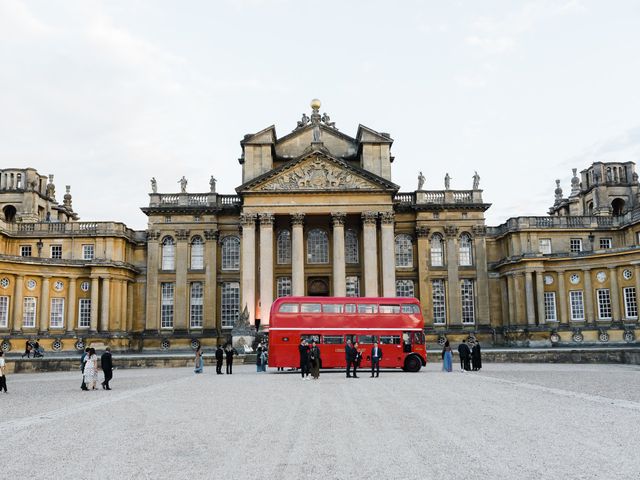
508,421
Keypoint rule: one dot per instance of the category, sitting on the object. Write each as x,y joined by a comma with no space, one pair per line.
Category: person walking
199,362
107,368
219,359
3,373
314,357
27,349
83,363
465,353
265,358
229,353
260,358
91,370
476,357
303,350
447,358
376,356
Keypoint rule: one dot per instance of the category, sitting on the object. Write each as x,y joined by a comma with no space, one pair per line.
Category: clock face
548,279
575,278
601,276
84,286
58,286
627,274
31,284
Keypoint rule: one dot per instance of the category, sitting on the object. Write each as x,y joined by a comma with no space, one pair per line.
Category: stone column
297,254
181,290
615,294
540,297
18,304
482,274
104,306
130,311
506,304
455,305
44,305
518,288
211,277
71,305
588,296
339,267
123,305
370,253
152,321
248,274
95,299
422,233
513,299
387,239
562,298
531,308
266,266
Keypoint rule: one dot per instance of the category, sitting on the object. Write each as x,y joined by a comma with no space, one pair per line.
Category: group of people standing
470,358
89,368
228,352
310,360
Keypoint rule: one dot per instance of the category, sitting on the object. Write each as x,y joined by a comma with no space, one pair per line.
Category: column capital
297,219
369,218
211,235
338,218
479,230
153,235
422,231
451,230
267,219
387,218
182,234
248,219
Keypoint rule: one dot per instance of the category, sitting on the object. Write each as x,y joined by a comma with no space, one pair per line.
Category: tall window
56,251
231,253
4,311
577,305
353,286
317,246
630,302
545,245
166,306
604,303
466,297
404,288
230,307
168,254
197,253
439,301
87,252
196,305
404,251
284,287
351,247
29,312
437,251
283,248
56,316
575,245
550,314
465,250
84,310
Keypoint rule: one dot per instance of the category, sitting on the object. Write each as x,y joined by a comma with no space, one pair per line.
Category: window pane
284,286
197,253
231,253
166,306
389,308
332,308
604,303
550,306
438,301
577,305
56,315
367,339
404,288
545,246
4,311
310,308
84,309
390,339
332,339
317,246
630,303
353,286
87,252
289,308
466,296
284,247
230,308
465,249
168,254
351,247
437,251
350,308
197,305
410,309
404,251
29,312
367,308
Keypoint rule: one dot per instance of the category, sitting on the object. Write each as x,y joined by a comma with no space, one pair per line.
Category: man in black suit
219,359
376,356
305,369
350,354
465,355
107,368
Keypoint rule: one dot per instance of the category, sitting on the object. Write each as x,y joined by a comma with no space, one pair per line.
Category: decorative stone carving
248,219
422,231
51,189
421,181
479,230
153,234
297,219
575,183
211,235
603,336
318,174
183,184
387,218
476,181
558,192
327,121
182,234
212,184
451,231
447,181
555,338
338,218
67,197
369,217
628,336
577,336
267,219
303,122
154,185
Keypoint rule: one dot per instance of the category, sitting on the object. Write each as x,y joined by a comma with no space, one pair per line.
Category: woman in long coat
91,370
314,357
476,357
199,363
447,358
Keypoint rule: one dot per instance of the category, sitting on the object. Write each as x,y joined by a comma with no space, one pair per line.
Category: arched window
465,249
231,253
437,251
317,246
404,251
284,247
351,246
168,254
617,206
197,253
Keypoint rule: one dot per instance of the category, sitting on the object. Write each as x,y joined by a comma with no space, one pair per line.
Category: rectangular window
577,305
332,308
550,314
56,251
630,302
575,245
637,238
4,311
544,246
87,252
230,305
604,303
389,308
29,312
284,287
390,339
166,306
439,302
84,313
466,297
25,250
56,316
333,339
310,308
197,305
368,339
404,288
367,308
289,308
605,243
353,286
167,219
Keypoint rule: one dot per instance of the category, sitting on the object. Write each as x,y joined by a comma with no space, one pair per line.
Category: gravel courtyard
508,421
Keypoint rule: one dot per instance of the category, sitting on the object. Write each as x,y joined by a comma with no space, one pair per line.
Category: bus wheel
412,364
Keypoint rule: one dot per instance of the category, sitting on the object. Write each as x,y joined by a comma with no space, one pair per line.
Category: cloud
17,19
623,147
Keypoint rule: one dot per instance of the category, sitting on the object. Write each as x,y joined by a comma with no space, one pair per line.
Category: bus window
310,308
350,308
389,308
332,339
410,308
332,308
367,338
310,338
418,338
289,308
367,308
350,337
390,339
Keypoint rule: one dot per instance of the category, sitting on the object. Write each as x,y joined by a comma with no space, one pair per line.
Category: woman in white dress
91,370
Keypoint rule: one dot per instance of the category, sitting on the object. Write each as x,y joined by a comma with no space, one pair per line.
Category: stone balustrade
578,221
47,229
193,200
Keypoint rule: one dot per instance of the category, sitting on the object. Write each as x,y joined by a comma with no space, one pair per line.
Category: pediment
297,142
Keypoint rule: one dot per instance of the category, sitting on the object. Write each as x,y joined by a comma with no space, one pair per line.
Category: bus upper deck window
310,308
389,308
367,308
350,308
289,308
410,308
332,308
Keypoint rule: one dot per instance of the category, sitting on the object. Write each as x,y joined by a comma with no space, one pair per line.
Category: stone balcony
193,200
76,229
438,199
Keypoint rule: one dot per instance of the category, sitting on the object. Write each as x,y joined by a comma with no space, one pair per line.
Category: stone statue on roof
447,181
476,180
183,184
212,184
154,185
421,181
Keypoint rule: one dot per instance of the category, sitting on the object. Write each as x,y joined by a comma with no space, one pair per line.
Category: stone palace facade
318,214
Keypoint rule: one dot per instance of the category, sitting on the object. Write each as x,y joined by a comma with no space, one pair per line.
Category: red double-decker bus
396,323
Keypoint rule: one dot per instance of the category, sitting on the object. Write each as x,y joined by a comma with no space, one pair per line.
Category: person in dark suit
305,369
219,359
465,356
230,352
107,368
350,354
376,356
476,357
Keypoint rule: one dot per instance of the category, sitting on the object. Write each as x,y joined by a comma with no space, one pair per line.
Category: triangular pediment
317,172
297,142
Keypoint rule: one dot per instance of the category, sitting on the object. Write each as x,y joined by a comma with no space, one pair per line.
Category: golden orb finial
315,104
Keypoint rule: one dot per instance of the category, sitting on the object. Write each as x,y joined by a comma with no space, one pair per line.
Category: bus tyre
412,364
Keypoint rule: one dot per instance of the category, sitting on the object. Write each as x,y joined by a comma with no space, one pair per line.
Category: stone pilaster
422,234
152,321
387,223
297,254
531,308
339,267
266,266
18,304
248,273
540,296
181,289
95,302
44,305
482,275
71,305
562,298
123,305
588,296
519,304
615,294
369,220
455,305
104,305
211,276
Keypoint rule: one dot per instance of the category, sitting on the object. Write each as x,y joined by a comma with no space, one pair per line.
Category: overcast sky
106,95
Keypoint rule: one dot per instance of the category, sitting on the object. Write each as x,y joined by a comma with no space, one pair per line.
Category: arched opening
318,287
617,206
9,213
590,208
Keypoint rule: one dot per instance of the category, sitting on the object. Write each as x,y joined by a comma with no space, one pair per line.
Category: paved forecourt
508,421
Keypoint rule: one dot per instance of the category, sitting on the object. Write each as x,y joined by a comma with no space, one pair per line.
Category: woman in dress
199,365
447,358
91,370
314,356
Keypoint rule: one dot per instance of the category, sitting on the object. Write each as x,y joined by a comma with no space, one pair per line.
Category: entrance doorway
318,287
